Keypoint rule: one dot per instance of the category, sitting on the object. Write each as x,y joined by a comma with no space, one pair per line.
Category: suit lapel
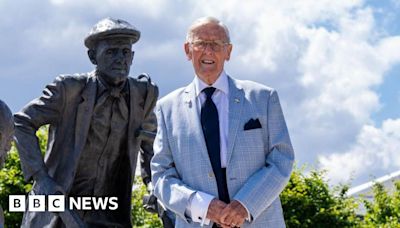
236,100
84,113
194,121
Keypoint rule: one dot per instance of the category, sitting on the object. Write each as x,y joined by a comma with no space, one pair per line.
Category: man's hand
45,185
234,214
214,212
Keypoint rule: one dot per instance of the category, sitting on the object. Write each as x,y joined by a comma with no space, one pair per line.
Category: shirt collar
220,84
103,87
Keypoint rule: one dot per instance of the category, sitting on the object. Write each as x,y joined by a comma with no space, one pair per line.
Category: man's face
208,50
114,59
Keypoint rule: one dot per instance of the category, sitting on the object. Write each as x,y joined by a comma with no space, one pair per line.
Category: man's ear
92,56
187,51
228,52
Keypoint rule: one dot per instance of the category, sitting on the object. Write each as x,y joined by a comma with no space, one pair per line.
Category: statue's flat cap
110,27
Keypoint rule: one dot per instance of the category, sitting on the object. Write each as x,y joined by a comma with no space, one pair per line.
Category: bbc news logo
58,203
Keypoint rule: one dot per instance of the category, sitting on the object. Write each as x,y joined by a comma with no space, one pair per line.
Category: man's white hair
206,20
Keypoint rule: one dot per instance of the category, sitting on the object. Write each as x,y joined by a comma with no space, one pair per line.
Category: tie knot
118,92
209,92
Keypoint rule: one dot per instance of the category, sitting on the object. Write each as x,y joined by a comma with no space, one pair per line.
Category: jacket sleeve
265,185
168,186
148,130
46,109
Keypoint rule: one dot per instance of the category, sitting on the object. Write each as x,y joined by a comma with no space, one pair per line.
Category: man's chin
120,73
120,79
116,78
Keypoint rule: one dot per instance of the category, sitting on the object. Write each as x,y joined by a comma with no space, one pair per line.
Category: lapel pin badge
237,100
189,102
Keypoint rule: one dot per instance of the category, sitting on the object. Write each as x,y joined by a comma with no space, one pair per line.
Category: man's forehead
115,42
209,29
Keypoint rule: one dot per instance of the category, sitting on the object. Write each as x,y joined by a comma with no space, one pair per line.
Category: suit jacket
259,161
67,106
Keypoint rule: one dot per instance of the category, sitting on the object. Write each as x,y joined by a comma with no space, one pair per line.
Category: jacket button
210,174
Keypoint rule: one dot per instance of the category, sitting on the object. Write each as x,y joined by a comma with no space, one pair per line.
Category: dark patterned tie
210,125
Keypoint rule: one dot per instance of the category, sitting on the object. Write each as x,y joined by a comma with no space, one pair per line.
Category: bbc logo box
58,203
16,203
55,203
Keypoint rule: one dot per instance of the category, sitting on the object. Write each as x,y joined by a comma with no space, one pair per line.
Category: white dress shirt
221,101
199,201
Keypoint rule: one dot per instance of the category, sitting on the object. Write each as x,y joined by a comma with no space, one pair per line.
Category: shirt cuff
198,207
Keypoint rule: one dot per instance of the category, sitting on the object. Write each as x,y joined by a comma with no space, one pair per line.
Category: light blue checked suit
259,161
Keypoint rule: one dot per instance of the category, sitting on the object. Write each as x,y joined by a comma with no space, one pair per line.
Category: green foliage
384,210
140,217
12,183
12,180
308,201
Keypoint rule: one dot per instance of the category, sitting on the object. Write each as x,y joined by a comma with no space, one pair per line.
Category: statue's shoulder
142,78
76,81
143,81
144,86
74,78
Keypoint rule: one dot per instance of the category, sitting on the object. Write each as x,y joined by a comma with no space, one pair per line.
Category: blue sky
335,64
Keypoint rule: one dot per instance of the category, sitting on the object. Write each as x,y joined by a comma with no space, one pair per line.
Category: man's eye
109,52
126,52
202,44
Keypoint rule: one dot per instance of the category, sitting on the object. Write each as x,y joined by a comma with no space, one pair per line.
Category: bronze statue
98,123
6,136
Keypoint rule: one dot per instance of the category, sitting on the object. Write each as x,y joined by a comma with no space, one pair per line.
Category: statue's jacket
67,106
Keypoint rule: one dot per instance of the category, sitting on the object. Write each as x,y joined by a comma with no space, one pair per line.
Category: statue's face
6,137
114,59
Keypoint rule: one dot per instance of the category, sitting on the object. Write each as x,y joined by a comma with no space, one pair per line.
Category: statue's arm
46,109
148,132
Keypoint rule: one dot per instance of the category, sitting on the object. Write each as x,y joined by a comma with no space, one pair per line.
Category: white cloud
151,8
376,149
326,58
389,48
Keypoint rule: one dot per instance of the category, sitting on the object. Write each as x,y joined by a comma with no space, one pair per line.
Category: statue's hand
150,203
45,185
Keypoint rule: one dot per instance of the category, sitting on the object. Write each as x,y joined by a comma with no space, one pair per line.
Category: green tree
308,201
12,183
384,210
140,217
12,180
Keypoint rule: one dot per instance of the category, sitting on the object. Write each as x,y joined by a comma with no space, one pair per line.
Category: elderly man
98,123
6,135
222,153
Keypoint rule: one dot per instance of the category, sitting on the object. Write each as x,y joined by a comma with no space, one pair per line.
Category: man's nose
208,49
119,56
